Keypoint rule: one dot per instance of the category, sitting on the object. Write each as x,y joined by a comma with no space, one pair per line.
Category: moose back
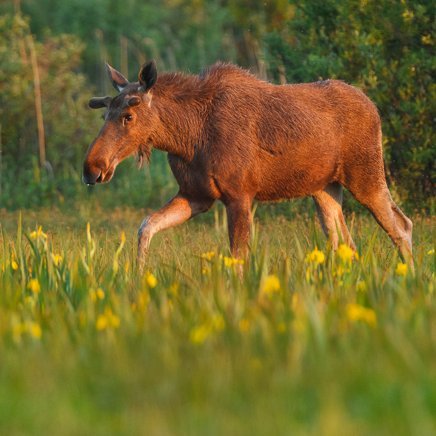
234,138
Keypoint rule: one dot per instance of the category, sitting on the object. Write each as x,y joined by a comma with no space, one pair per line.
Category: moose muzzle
91,174
98,171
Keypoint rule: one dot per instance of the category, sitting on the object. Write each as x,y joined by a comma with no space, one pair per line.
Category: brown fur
232,137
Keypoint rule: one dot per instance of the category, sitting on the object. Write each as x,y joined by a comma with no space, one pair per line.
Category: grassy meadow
309,342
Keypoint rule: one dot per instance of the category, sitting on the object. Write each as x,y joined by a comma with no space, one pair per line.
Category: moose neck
181,103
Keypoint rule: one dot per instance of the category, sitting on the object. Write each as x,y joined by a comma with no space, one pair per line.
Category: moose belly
281,182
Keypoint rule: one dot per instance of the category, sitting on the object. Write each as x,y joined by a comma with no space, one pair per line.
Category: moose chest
193,177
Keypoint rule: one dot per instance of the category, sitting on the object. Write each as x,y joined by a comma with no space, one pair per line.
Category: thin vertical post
17,6
124,61
103,58
1,161
38,101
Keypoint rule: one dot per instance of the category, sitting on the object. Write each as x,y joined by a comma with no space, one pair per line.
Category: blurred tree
187,34
64,92
250,21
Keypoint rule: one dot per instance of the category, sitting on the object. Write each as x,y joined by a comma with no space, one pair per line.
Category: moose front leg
175,212
239,221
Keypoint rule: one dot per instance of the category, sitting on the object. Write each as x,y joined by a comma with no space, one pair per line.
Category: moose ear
147,76
118,80
133,101
99,102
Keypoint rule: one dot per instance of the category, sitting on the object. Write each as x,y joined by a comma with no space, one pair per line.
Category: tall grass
308,342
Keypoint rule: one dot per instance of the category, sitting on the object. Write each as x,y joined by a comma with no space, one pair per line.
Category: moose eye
127,118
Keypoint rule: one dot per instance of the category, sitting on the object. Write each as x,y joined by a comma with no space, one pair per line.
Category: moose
235,138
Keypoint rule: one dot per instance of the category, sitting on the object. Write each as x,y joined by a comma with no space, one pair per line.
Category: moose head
129,120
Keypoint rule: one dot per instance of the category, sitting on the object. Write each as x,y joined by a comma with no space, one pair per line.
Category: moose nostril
88,180
91,176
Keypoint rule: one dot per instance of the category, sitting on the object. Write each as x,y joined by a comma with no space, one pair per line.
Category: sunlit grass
307,342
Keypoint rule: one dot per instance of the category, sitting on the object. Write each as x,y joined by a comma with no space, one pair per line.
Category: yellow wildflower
346,253
340,271
101,323
316,256
244,325
30,301
143,300
208,255
308,274
17,329
14,264
299,324
270,285
96,295
230,261
34,330
38,234
356,312
200,333
34,286
57,259
174,290
401,269
361,286
107,320
114,321
151,280
430,252
218,323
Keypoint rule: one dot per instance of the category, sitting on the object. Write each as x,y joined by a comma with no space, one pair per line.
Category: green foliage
183,34
67,123
307,343
387,49
64,94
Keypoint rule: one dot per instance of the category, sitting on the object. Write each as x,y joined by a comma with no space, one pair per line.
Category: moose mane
182,86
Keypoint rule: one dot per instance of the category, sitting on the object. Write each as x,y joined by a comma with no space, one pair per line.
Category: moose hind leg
175,212
329,207
390,217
